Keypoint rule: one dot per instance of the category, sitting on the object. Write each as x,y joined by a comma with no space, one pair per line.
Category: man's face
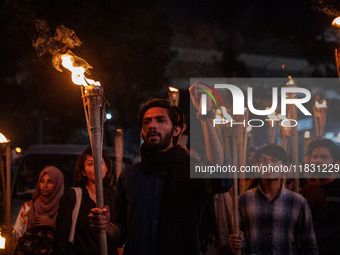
267,160
157,129
321,155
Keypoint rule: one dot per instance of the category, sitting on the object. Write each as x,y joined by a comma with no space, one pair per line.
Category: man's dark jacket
159,205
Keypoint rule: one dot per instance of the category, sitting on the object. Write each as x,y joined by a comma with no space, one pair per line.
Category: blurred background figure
36,222
323,195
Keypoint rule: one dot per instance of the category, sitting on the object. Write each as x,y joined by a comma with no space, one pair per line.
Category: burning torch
173,96
336,23
5,149
94,107
320,114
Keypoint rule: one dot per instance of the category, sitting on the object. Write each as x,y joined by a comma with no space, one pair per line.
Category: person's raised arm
214,149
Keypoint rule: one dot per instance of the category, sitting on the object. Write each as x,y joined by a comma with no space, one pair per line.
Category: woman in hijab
40,213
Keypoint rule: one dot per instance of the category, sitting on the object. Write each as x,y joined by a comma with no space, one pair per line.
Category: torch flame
336,22
321,104
172,89
3,139
307,134
78,77
290,82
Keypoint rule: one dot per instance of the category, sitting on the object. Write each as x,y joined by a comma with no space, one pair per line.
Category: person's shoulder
293,195
69,194
27,205
131,170
248,194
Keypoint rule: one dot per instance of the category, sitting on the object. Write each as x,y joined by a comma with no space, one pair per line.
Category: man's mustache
153,133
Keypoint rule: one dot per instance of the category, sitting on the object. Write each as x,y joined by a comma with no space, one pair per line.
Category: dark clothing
324,201
86,239
159,205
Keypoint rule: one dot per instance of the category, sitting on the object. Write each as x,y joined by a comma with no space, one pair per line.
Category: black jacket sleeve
64,222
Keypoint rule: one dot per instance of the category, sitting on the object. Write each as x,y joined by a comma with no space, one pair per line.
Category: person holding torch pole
158,204
273,219
83,237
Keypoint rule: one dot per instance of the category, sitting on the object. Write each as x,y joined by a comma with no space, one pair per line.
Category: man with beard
323,195
158,205
273,219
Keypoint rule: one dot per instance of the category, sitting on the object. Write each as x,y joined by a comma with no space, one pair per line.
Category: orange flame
290,82
3,139
336,22
321,104
69,61
172,89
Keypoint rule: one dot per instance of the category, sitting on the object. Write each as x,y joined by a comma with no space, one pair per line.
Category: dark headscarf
51,204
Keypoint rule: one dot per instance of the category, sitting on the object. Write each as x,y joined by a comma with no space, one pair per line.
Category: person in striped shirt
273,219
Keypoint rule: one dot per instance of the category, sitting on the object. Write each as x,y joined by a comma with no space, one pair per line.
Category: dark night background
135,50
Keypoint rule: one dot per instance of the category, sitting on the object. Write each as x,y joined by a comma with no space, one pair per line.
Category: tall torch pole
94,107
119,149
272,127
336,23
5,147
292,114
320,114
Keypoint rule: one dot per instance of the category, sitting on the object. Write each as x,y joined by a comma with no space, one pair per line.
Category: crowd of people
157,209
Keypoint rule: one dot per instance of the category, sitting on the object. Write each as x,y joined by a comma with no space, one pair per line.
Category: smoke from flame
60,45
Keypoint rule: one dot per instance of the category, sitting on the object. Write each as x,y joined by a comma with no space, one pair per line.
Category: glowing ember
3,139
290,82
321,104
173,89
307,134
78,67
336,22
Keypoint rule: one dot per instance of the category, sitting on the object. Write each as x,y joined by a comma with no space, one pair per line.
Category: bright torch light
2,242
173,96
336,22
94,106
3,139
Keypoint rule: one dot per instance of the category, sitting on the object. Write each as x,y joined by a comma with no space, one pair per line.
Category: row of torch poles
236,140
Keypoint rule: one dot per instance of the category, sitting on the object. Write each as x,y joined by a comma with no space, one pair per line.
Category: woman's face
89,169
46,185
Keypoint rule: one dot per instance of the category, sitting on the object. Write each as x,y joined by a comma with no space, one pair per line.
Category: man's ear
176,131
